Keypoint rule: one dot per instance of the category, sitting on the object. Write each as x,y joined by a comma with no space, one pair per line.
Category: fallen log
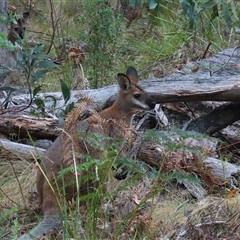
216,80
23,126
216,120
21,150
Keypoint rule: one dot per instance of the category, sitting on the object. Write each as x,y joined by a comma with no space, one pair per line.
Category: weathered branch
217,119
22,126
22,150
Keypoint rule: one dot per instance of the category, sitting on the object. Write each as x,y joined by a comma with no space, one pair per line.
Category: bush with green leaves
7,222
32,66
102,33
192,9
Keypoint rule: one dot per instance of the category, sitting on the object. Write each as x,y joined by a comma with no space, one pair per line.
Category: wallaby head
17,28
131,97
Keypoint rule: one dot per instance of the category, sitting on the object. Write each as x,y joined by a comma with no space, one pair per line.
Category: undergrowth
155,42
146,190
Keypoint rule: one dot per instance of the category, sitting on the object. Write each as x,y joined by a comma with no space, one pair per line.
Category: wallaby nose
21,35
151,103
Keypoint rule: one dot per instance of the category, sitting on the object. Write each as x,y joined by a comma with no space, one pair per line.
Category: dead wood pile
201,98
185,98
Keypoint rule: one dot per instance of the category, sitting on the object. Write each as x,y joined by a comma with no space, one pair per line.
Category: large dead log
217,119
23,126
218,79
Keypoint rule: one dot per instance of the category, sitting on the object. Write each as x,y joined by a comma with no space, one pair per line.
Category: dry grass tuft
17,179
213,218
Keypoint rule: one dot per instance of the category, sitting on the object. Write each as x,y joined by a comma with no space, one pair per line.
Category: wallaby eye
24,28
137,95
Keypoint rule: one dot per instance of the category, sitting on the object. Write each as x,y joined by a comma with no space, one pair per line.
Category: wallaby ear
123,81
25,17
132,74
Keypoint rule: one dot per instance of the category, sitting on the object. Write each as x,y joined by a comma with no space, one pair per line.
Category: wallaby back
112,122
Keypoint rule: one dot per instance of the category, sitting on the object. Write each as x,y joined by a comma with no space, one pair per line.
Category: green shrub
102,33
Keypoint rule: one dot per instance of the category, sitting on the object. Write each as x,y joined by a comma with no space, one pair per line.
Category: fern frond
73,117
70,141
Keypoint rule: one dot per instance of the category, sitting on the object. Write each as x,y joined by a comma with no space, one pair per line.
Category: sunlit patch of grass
17,178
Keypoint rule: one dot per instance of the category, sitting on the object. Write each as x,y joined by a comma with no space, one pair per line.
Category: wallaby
17,28
130,98
16,32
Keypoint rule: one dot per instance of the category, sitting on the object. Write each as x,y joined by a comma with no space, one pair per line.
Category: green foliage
4,43
98,171
4,19
182,176
192,9
5,221
65,90
102,33
91,170
163,38
33,66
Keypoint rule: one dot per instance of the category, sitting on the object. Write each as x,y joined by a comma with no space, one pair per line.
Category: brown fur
74,142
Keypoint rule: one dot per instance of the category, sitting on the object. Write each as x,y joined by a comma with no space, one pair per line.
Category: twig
206,50
53,27
190,109
33,31
4,235
209,223
184,232
225,64
20,187
178,207
8,198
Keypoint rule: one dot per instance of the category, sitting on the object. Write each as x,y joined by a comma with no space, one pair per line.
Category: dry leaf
232,193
